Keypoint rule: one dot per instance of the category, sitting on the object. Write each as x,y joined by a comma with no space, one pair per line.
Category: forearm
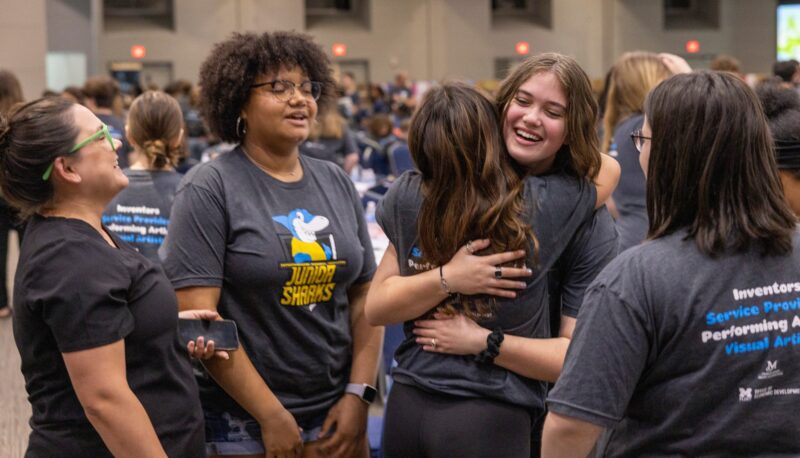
540,359
367,339
397,299
568,437
236,375
123,424
240,379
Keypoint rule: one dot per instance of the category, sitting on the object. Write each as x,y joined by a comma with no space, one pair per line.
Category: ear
63,171
128,136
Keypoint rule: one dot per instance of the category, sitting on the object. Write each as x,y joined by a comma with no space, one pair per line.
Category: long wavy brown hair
470,189
580,154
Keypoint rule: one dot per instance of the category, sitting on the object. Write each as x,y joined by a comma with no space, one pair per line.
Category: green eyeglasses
100,133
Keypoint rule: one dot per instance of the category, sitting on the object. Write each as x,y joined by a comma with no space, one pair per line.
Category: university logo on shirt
312,249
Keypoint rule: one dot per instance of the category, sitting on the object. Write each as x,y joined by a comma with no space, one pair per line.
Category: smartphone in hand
222,332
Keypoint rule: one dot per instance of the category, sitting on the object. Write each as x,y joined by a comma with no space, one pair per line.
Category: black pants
421,424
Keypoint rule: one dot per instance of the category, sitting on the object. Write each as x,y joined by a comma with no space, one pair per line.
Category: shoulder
211,175
328,173
405,191
559,190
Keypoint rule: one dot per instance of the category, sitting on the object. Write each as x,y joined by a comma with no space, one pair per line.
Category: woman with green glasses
95,322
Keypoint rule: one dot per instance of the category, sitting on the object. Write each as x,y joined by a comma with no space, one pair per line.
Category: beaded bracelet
493,342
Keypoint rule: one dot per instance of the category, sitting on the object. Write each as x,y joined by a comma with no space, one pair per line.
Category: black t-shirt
73,292
682,354
139,214
558,206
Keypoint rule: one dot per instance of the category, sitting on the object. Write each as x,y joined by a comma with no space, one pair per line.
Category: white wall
23,43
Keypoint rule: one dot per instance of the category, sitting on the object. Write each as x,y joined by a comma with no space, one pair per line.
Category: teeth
527,136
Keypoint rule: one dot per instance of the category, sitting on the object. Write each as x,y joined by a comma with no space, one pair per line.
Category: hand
200,349
467,273
281,436
675,64
349,415
453,334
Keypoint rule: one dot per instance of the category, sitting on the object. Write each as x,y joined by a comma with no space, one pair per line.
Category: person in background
331,140
782,107
140,213
674,353
74,94
95,322
788,71
282,248
632,77
10,95
726,63
101,96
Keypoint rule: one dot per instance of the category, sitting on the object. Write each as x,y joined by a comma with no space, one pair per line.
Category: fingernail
530,271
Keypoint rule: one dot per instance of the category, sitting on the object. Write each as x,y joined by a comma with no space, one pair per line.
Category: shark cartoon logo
304,227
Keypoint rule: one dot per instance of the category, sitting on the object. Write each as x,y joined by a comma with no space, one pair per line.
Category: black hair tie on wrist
493,342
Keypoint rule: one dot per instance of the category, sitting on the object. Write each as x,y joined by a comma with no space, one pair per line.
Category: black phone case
223,332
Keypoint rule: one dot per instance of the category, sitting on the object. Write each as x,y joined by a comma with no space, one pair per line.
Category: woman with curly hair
282,248
155,131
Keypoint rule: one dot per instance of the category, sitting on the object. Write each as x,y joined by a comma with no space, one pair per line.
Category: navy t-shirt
629,196
73,292
557,206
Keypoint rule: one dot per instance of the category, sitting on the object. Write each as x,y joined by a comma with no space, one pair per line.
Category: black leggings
421,424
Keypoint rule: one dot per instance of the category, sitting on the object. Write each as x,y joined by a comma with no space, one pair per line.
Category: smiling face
96,163
534,127
276,125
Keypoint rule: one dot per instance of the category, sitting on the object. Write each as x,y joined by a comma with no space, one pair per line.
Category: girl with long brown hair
476,391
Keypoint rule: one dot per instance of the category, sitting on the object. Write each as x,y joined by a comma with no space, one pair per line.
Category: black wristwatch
366,392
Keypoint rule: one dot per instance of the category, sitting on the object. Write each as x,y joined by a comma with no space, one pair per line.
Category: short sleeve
194,249
81,294
386,213
591,249
605,359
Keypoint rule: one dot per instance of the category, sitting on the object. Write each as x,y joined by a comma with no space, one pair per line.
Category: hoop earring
241,127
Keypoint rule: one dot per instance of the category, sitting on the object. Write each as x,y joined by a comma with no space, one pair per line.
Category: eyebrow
550,102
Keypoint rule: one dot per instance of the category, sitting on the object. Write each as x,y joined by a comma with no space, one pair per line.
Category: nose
297,97
117,144
533,116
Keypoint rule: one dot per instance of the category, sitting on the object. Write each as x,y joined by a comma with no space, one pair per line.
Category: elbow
372,311
101,402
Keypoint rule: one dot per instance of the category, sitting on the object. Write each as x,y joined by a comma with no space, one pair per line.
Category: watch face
369,393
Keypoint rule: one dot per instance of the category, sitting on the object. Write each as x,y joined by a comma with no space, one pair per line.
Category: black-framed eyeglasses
639,139
283,90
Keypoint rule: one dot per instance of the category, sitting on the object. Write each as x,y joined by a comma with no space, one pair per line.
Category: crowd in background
515,177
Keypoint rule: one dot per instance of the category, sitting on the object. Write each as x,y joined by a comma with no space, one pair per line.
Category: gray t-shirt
139,214
558,205
285,255
682,354
629,196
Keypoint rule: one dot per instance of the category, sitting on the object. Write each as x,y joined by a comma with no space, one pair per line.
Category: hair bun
777,99
5,128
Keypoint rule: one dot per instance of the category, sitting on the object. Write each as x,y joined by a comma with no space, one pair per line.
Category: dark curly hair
234,64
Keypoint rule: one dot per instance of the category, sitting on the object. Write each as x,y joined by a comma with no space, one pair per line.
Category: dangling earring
241,127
